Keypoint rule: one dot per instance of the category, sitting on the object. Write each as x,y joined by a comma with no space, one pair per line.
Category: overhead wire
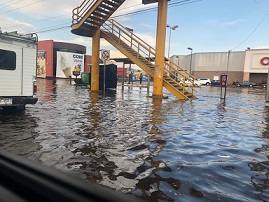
40,20
21,7
181,2
48,29
256,27
3,5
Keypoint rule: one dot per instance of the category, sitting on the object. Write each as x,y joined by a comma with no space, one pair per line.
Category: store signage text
265,61
78,58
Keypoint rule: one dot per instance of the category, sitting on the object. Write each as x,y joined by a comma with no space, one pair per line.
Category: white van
17,70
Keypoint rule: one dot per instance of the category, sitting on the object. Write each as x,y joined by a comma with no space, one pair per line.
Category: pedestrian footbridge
92,17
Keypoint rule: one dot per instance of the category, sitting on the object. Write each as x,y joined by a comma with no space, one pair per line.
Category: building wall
47,46
219,61
182,61
212,65
120,70
258,77
253,61
255,69
51,47
88,62
236,61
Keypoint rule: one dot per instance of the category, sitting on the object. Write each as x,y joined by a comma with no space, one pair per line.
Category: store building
249,65
60,59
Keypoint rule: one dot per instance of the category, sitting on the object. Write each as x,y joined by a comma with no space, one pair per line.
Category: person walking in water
140,78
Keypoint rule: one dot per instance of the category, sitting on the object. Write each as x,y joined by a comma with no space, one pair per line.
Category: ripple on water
199,150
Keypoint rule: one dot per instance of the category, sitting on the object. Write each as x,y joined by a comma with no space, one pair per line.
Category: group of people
131,78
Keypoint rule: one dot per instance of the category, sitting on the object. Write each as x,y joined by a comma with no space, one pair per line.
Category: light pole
190,59
130,68
177,60
171,28
228,59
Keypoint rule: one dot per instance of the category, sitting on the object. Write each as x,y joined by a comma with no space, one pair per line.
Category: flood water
168,150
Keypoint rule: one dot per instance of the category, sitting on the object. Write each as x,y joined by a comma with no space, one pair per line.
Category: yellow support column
160,49
95,61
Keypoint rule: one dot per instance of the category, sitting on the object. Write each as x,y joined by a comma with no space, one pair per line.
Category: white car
197,83
204,81
188,83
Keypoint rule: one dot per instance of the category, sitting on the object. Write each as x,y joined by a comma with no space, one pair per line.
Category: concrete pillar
267,90
246,76
95,61
160,49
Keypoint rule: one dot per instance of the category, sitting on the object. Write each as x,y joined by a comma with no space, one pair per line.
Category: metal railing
142,49
127,37
81,10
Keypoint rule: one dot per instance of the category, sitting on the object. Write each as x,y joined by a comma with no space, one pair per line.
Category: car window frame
7,60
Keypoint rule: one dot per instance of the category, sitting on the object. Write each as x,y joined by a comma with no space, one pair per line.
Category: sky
203,25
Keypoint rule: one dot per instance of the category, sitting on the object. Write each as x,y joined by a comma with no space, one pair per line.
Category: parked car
197,83
262,84
188,83
246,83
215,82
204,81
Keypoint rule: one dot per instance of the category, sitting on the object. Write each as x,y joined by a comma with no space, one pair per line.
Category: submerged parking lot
199,150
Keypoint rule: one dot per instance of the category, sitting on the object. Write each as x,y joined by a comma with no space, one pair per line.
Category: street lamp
191,58
171,28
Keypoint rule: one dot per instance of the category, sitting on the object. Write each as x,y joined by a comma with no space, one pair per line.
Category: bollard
267,91
223,85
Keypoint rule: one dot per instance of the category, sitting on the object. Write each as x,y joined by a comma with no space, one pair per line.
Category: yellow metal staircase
91,14
174,77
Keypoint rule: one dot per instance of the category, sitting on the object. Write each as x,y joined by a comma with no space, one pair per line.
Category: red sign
105,54
223,80
265,61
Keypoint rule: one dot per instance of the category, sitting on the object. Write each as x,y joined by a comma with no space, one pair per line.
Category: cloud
8,24
149,39
231,23
218,23
48,8
42,15
116,54
262,47
43,8
129,6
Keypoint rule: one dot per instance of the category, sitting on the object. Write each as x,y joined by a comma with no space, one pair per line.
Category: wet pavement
169,150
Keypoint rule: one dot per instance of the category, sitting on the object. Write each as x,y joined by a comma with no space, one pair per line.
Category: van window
7,60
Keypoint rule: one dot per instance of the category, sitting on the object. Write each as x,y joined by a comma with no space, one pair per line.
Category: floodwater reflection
158,150
260,180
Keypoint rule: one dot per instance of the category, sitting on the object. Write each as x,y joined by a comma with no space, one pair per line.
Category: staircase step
101,15
107,7
100,10
111,3
92,22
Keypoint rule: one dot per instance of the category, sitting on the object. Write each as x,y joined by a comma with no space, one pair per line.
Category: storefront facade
249,65
60,59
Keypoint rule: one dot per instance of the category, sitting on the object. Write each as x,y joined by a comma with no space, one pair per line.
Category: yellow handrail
81,10
129,38
143,49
